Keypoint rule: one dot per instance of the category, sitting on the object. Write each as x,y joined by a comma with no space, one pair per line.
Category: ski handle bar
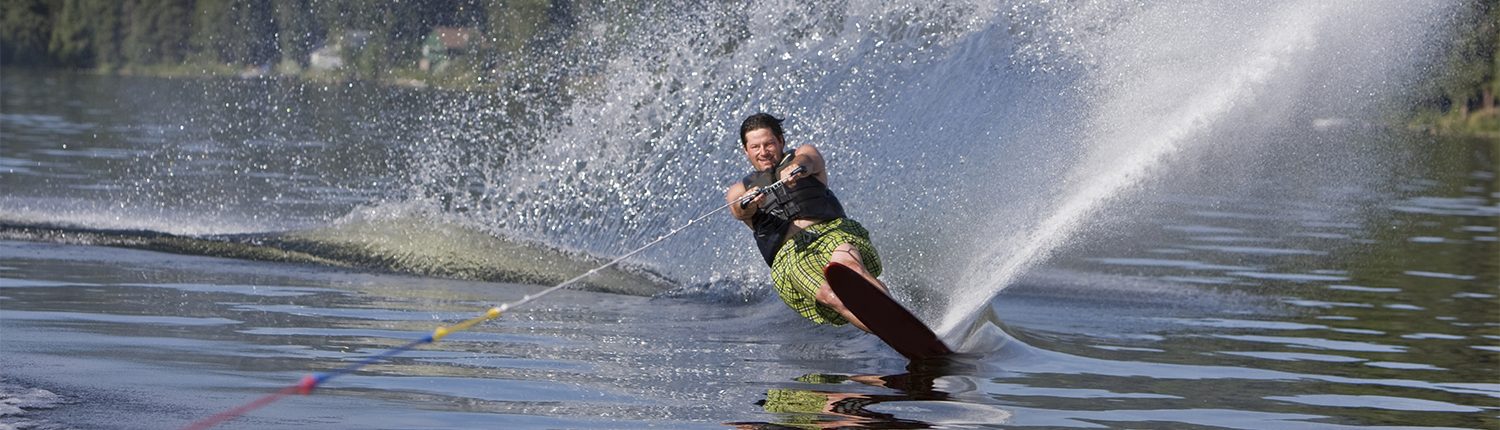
745,200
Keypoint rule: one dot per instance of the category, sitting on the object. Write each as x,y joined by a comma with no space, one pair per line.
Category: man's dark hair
759,121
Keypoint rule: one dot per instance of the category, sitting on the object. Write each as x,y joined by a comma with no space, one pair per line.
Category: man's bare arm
733,195
808,157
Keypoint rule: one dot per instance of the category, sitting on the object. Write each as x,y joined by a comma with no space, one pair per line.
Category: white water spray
1163,101
1023,119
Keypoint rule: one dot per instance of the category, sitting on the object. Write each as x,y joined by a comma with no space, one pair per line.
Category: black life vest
810,199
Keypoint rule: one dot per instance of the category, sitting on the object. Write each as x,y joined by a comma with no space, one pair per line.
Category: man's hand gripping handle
745,200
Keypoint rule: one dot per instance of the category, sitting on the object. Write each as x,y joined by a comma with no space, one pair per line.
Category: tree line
1470,80
379,38
137,35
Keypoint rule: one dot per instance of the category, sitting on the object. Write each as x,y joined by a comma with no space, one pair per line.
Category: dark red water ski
887,319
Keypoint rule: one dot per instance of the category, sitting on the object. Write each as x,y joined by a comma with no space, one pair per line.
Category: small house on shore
443,43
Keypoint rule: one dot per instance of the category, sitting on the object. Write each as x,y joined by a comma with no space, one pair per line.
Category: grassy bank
1467,80
1481,124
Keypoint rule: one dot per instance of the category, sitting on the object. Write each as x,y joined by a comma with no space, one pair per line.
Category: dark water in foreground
1269,308
1168,217
1221,324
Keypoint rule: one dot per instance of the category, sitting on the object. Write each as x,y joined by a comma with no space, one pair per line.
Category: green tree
105,34
25,28
138,32
252,32
209,41
297,30
72,38
404,27
1471,60
1490,91
156,31
173,27
513,24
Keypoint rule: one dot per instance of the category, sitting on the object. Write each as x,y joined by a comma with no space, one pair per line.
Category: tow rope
312,381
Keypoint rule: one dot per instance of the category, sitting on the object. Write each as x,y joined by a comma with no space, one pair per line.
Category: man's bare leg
848,256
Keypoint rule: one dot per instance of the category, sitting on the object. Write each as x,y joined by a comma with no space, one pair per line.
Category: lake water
1164,249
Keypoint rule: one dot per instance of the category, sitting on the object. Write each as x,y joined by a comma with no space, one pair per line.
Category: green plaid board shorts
797,270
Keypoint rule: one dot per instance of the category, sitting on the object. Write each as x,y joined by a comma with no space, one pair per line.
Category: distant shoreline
188,71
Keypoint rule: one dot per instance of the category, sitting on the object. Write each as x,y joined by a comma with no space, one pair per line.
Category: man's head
762,139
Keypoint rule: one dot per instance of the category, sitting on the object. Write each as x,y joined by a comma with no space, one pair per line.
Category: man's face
763,148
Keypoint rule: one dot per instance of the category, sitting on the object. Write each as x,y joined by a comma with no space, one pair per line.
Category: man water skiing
799,227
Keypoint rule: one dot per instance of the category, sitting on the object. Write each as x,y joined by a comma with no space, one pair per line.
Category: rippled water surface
1150,244
1205,311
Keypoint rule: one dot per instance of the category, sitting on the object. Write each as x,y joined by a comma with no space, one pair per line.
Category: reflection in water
831,408
1107,337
